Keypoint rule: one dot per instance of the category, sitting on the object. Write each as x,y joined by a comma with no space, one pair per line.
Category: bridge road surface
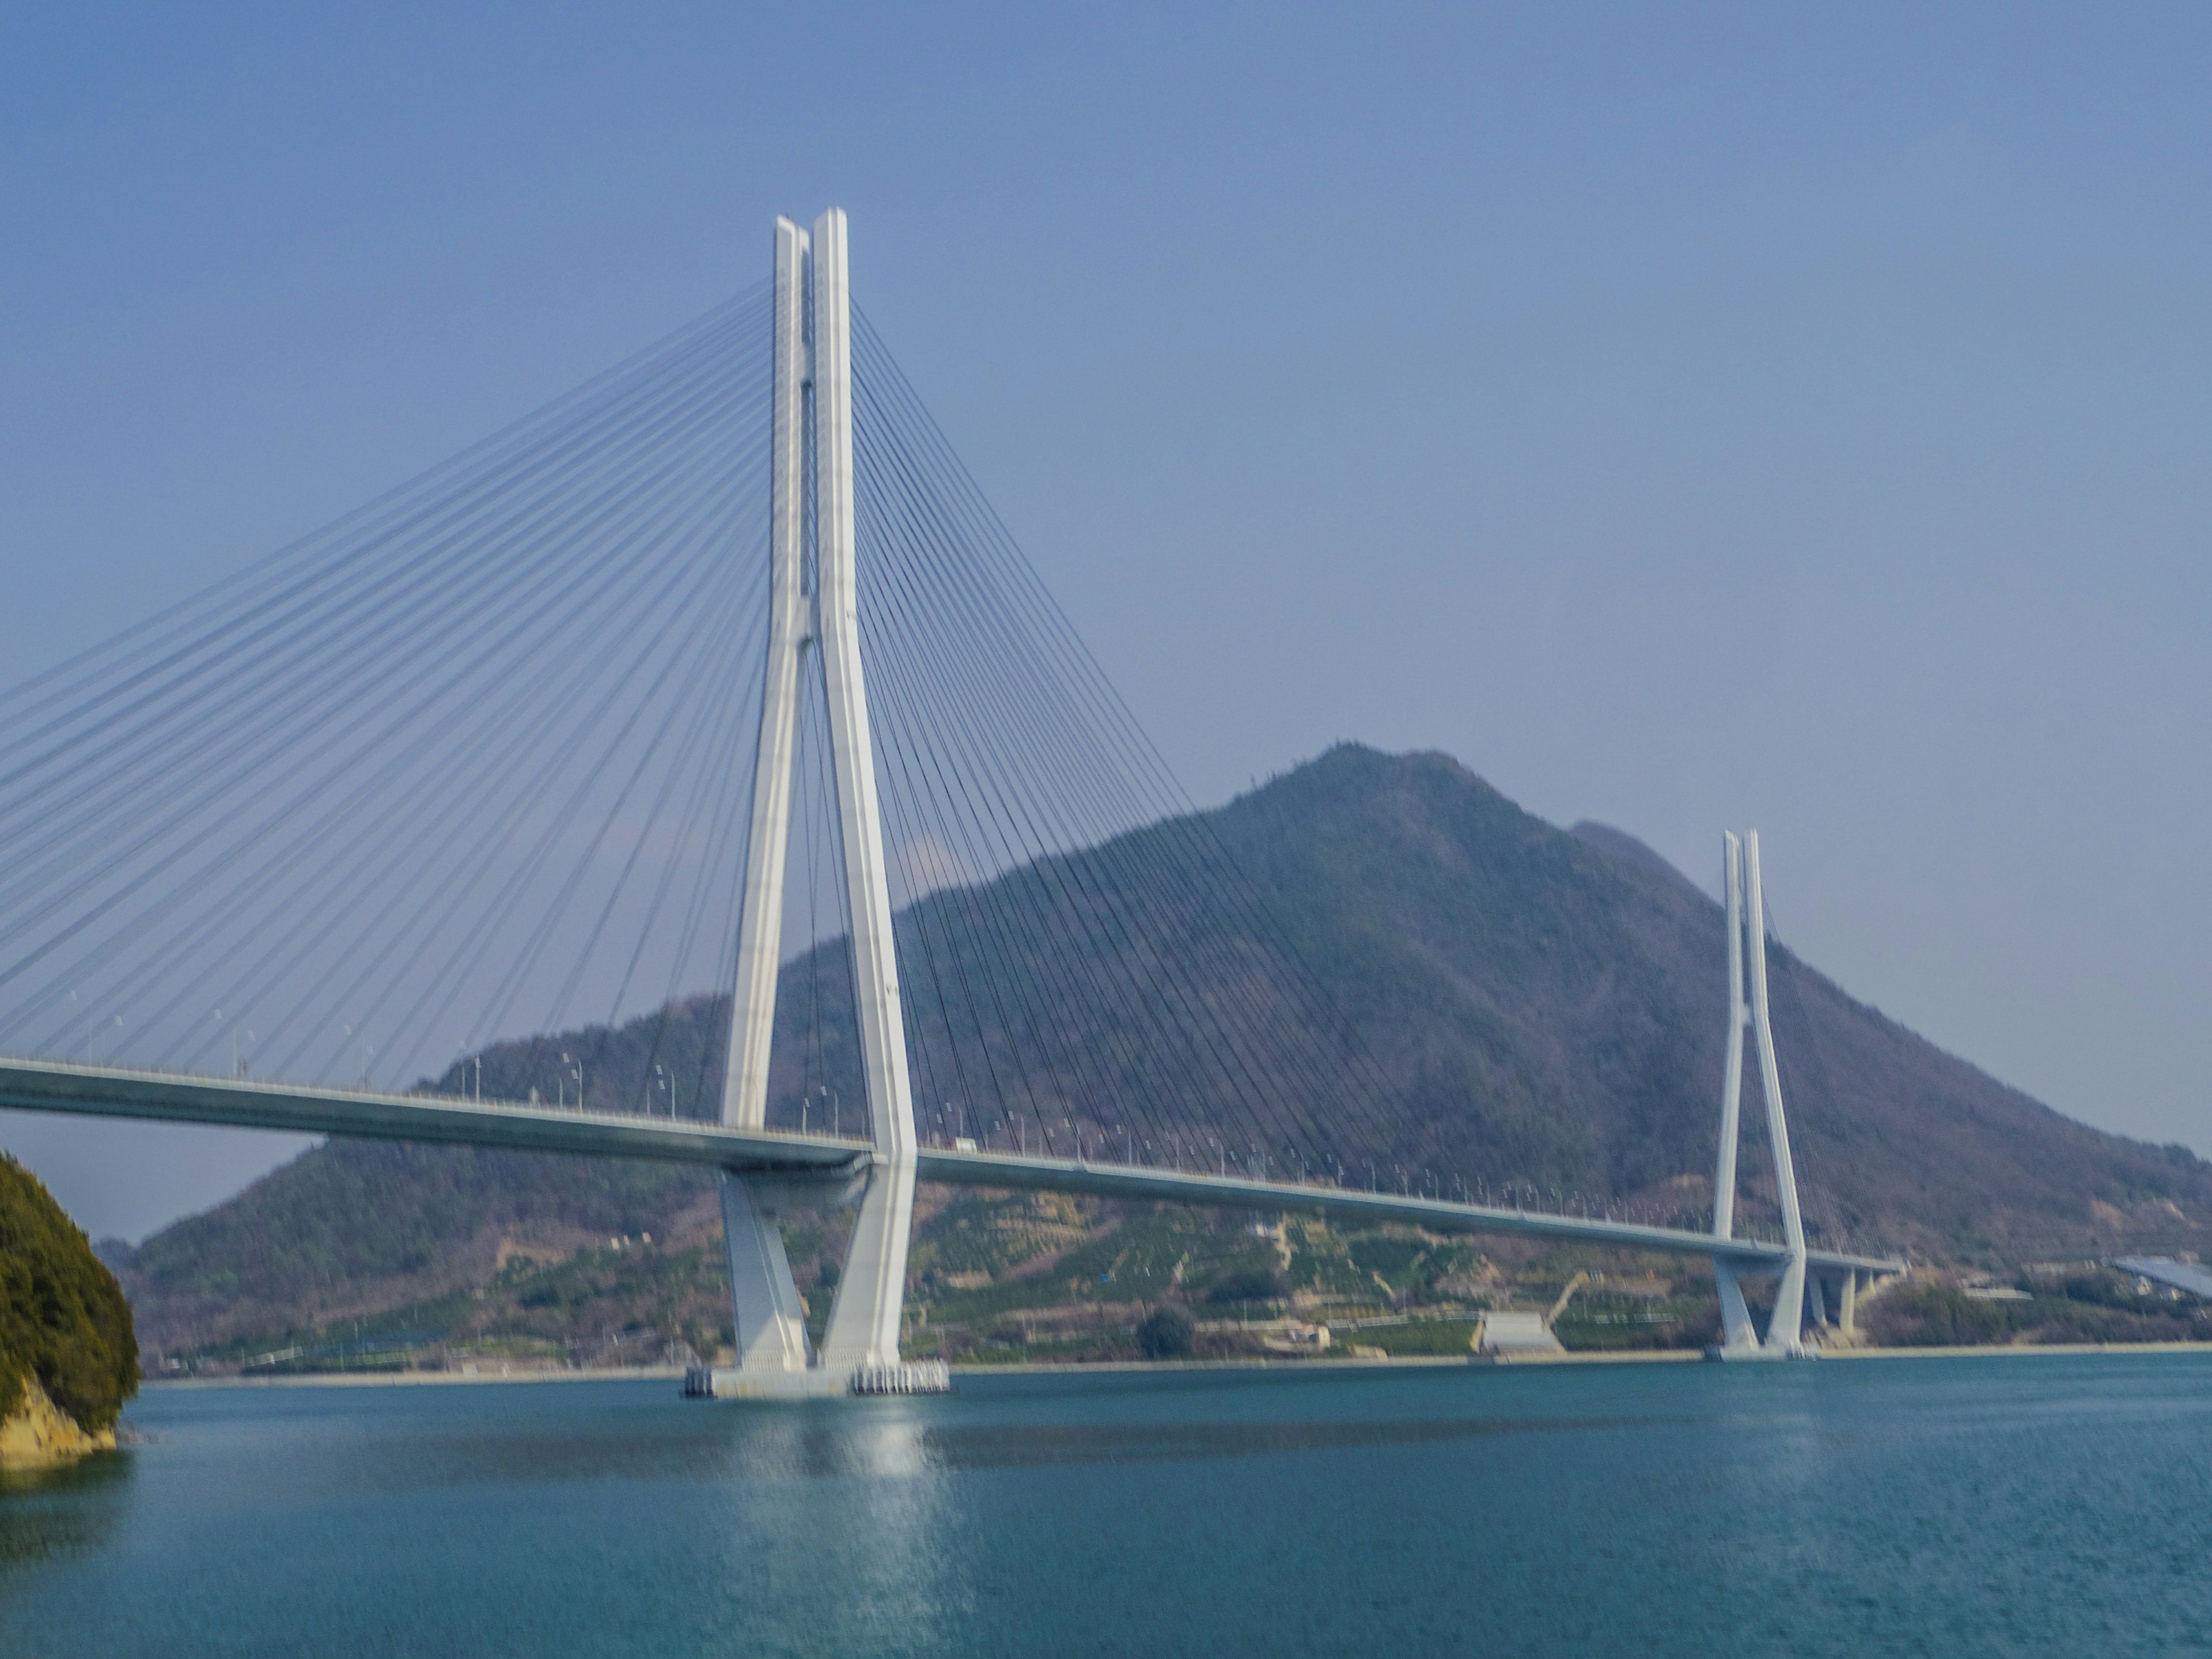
45,1085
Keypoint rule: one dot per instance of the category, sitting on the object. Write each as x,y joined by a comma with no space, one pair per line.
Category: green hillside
1545,1007
63,1318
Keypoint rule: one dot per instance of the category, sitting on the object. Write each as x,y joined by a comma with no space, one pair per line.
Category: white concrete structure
813,425
1744,904
1508,1335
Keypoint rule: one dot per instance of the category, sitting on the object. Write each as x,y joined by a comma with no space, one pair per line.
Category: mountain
1629,850
1528,1004
1552,1006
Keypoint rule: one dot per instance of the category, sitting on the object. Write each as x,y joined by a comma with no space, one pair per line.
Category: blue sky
1689,418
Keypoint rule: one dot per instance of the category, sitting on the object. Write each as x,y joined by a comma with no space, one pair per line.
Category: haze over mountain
1543,1006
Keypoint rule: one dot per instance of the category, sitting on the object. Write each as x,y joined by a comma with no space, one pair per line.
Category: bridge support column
1737,1334
1744,903
767,1316
1785,1332
863,1338
813,420
771,1320
1847,1315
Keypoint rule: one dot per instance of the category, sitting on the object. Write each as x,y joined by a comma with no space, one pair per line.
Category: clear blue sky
1767,416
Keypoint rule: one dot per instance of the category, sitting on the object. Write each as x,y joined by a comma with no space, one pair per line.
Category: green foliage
992,1232
1321,1264
1390,1258
600,1305
1166,1333
357,1211
1149,1256
1253,1283
1943,1316
1599,1321
2106,1288
2107,1311
1414,1337
62,1317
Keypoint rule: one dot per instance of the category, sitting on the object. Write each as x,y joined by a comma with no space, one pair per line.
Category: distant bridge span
47,1085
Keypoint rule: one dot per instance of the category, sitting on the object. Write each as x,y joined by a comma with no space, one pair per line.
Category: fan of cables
413,781
473,765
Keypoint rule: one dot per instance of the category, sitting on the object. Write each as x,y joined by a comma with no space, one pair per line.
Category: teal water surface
2043,1505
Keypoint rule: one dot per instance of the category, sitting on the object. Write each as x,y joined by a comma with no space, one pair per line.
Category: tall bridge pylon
814,626
1745,906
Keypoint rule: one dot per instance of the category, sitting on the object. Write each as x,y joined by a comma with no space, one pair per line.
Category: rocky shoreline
38,1433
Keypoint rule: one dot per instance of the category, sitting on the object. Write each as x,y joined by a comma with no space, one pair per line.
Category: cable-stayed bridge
719,677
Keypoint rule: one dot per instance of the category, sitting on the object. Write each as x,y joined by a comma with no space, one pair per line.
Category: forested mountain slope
1539,1005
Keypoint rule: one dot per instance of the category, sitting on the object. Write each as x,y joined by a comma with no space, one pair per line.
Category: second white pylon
1745,910
809,624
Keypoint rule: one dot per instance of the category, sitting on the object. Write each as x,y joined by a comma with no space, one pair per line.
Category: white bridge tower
1747,938
815,627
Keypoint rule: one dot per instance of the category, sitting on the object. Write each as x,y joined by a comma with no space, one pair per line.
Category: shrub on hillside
1258,1284
1941,1316
1167,1333
62,1317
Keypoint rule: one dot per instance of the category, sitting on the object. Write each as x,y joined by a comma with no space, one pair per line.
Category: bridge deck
44,1086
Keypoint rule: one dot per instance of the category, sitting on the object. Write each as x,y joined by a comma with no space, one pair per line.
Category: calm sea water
2046,1505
